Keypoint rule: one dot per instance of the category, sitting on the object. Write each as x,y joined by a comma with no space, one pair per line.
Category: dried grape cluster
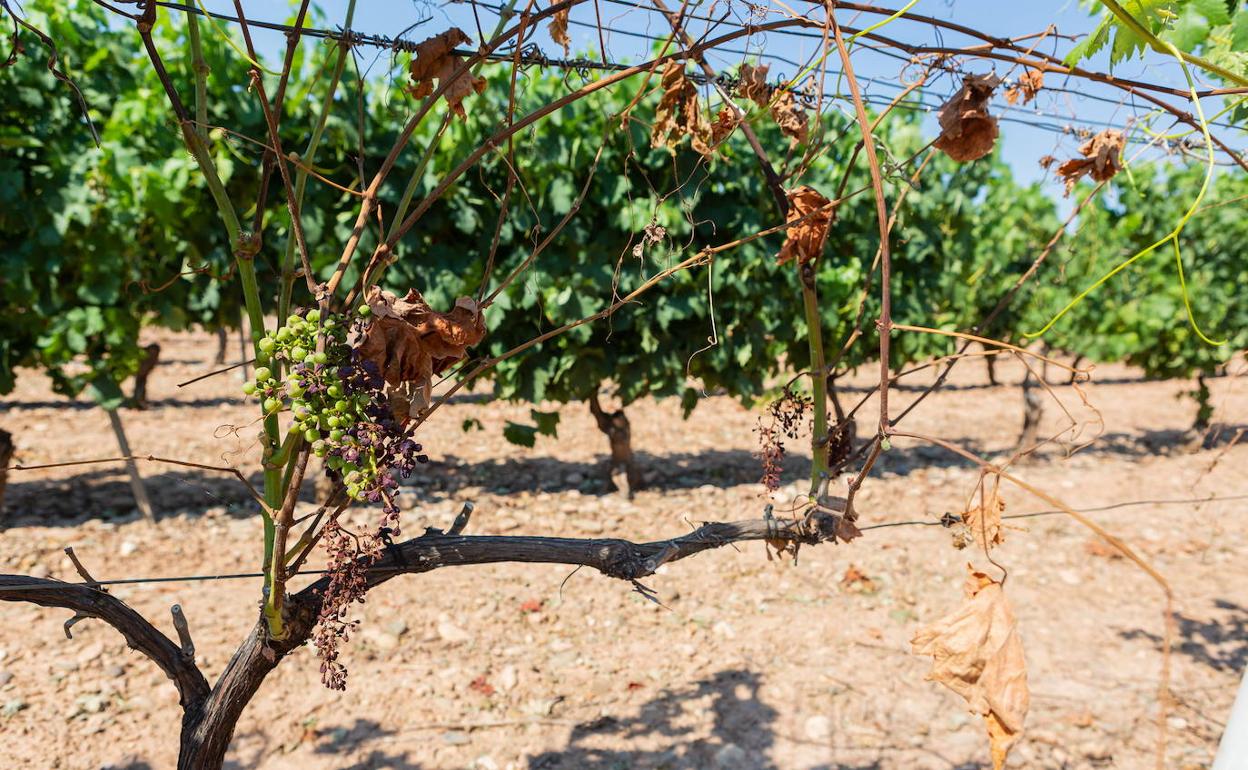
787,415
339,405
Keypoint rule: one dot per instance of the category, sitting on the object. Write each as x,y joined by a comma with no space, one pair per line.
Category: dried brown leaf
805,239
726,121
856,581
1028,85
410,341
435,59
984,521
790,116
679,113
558,28
1101,159
753,84
977,652
967,131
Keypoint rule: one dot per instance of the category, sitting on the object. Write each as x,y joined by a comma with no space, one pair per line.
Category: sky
1064,105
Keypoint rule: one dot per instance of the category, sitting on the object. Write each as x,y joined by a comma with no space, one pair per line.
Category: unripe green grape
294,320
266,344
283,334
330,323
309,359
319,448
249,388
271,404
341,406
314,315
365,311
311,435
334,391
334,421
298,354
320,358
295,390
353,491
263,374
336,435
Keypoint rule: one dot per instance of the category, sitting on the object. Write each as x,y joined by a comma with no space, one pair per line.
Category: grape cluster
338,402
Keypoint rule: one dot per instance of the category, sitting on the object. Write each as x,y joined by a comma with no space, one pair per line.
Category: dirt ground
750,663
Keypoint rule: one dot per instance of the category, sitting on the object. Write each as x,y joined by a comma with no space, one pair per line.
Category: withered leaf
856,581
726,121
1101,159
753,84
984,521
410,341
805,239
967,131
558,28
790,116
977,652
435,60
1028,85
679,113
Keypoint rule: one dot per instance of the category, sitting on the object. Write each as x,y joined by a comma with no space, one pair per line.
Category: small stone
127,547
724,630
11,707
5,677
540,707
382,640
484,762
451,633
455,738
818,728
397,627
65,666
90,652
731,757
1177,723
508,678
92,704
40,571
115,671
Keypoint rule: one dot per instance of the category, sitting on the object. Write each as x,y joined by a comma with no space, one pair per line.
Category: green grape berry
298,354
271,404
295,390
249,388
263,374
266,344
365,311
283,334
334,421
320,448
311,435
334,391
314,315
320,358
336,435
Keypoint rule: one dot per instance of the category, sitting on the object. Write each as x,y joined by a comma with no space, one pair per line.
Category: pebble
484,762
40,571
5,677
508,678
397,627
731,757
455,738
451,633
818,728
90,652
724,629
127,547
115,671
11,707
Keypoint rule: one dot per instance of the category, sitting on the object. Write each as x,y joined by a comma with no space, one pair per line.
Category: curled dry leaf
435,59
977,652
726,121
967,131
679,113
1101,159
984,521
753,84
805,239
790,116
410,342
1028,85
558,27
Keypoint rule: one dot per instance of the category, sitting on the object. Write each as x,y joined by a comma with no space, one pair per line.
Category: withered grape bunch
338,402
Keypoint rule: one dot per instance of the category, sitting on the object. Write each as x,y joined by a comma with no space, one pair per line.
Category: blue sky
1065,103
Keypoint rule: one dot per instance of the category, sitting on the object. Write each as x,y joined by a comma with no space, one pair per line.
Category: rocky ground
750,662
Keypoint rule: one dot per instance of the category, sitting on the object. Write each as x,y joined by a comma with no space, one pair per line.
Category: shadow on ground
1221,643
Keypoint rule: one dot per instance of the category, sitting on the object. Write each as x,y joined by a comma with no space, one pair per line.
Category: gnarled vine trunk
6,457
620,436
1033,412
140,378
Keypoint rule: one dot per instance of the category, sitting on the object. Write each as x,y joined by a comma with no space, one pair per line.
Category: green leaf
521,435
105,392
547,422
